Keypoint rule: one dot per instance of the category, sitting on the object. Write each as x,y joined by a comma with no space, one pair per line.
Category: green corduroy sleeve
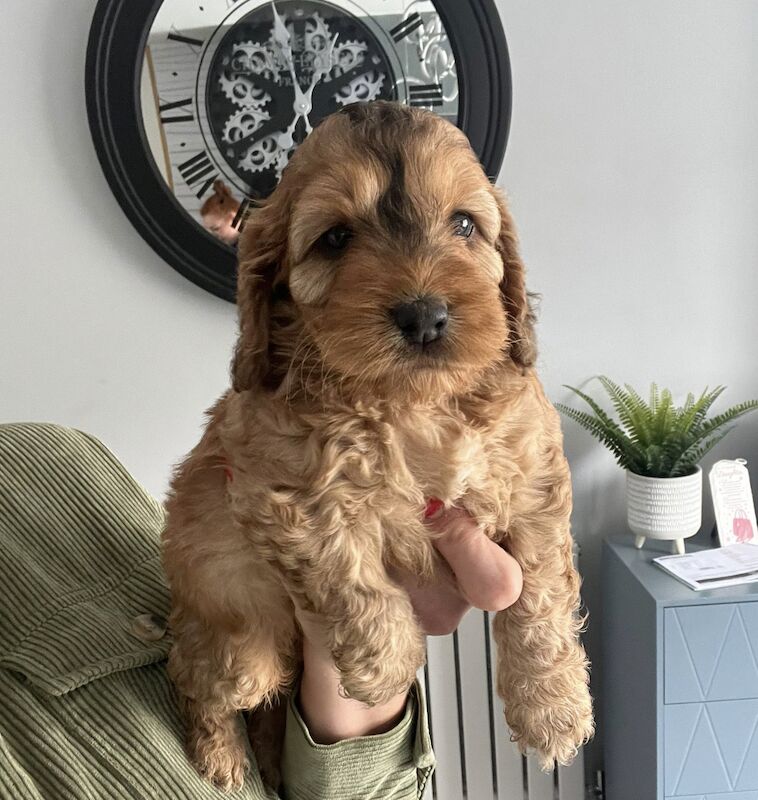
395,765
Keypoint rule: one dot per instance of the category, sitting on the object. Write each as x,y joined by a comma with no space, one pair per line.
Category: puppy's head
385,259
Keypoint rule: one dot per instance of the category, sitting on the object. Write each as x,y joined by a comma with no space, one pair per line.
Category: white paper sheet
712,569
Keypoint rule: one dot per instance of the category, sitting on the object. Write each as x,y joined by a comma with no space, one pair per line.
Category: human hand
471,571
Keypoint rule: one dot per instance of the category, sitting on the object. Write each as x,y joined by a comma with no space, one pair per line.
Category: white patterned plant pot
664,508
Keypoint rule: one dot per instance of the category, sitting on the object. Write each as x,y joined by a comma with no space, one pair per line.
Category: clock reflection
228,94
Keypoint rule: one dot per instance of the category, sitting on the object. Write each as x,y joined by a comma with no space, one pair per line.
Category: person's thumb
488,576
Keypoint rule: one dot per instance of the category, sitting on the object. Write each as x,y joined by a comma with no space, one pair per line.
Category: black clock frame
114,60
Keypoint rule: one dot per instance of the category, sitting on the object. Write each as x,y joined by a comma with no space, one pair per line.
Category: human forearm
329,715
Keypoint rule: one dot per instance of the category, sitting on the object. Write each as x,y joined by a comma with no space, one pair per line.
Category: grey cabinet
680,684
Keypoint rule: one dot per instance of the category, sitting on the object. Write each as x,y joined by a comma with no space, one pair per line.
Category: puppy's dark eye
337,238
463,225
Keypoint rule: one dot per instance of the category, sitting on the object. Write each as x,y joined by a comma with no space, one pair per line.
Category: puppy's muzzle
421,321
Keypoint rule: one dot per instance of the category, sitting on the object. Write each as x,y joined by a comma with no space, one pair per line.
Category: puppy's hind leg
218,673
214,742
266,726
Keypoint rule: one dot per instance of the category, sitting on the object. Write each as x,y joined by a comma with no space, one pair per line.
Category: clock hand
282,37
324,68
303,103
281,34
286,140
273,147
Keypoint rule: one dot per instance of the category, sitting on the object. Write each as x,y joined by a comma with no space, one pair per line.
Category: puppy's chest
445,455
382,460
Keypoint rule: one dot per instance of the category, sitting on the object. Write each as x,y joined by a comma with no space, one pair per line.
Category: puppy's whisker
317,362
326,376
377,354
307,357
320,364
309,349
301,340
311,363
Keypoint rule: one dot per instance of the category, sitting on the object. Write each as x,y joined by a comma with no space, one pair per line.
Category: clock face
229,89
196,106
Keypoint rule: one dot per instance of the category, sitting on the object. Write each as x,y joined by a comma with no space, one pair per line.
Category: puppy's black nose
422,320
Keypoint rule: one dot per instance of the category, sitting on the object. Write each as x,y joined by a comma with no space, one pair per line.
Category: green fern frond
631,413
596,427
654,399
692,410
704,405
731,414
656,438
687,461
600,413
642,407
663,415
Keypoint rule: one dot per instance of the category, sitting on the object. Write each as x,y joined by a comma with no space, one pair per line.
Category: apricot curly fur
336,431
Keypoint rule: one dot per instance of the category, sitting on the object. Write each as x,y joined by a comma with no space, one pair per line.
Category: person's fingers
488,576
450,523
434,508
437,602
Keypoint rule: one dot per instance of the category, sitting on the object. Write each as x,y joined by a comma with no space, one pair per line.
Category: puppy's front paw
374,673
220,758
553,732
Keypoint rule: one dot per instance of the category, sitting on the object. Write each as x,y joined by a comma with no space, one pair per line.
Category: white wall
96,330
633,173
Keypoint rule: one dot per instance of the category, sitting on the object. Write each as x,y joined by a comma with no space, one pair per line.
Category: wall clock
196,106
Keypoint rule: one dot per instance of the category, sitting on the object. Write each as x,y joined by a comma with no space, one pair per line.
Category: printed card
733,502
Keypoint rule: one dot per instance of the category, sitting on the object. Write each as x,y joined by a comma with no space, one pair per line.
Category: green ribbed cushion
66,619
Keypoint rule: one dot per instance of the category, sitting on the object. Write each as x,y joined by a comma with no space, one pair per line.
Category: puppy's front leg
542,669
371,629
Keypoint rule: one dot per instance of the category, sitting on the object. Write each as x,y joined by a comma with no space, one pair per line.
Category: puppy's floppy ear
262,250
522,347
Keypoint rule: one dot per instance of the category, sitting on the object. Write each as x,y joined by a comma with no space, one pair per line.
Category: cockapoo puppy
385,356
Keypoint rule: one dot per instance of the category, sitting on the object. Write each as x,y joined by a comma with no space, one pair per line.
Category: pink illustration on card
741,527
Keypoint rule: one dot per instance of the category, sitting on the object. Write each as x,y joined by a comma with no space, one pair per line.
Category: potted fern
659,445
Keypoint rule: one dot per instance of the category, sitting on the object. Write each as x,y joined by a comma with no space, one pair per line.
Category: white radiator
475,758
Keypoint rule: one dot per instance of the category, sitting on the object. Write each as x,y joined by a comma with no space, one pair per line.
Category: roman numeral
177,37
185,117
197,168
427,95
240,218
406,27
